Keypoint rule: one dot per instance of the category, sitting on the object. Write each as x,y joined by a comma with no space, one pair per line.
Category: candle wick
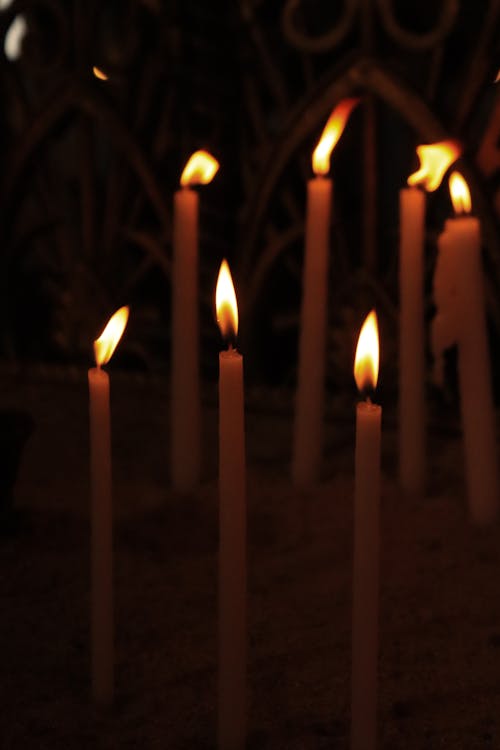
368,400
230,347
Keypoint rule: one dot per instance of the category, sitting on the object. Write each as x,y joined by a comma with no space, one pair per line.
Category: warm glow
13,44
200,169
497,77
367,355
460,194
107,342
225,303
330,135
100,74
435,158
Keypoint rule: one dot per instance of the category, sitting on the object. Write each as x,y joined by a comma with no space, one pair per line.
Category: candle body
232,555
185,378
102,657
444,327
474,371
365,578
309,404
411,341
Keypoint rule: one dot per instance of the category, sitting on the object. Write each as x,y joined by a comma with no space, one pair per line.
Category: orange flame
460,194
107,342
330,135
225,302
435,158
100,74
367,354
200,169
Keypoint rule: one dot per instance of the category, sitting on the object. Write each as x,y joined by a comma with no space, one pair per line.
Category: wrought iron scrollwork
89,166
297,36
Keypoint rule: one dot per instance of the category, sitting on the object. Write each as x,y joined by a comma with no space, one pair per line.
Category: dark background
89,167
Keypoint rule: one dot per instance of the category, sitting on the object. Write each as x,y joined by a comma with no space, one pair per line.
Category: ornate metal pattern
90,166
424,74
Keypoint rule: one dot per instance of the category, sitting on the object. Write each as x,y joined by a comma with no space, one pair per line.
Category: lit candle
434,159
366,544
101,512
461,318
308,426
185,434
232,527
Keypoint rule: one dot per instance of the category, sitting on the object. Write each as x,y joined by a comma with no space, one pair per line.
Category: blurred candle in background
309,404
434,161
185,406
461,318
366,544
101,512
232,527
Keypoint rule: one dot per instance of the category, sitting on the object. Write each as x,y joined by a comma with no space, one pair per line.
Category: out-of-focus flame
200,169
435,158
107,342
367,354
225,303
497,77
460,194
330,136
13,44
100,74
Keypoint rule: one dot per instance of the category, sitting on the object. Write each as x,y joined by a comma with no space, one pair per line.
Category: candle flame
200,169
497,77
100,74
225,303
460,194
435,158
366,361
107,342
14,38
331,134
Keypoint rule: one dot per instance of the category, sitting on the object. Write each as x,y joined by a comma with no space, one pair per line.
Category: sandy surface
440,591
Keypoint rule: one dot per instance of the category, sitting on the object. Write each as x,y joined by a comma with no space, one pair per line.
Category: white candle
435,159
461,248
366,546
101,513
185,433
232,529
309,404
444,325
411,341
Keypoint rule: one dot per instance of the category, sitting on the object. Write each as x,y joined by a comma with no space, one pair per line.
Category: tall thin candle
366,545
101,512
232,527
461,319
435,159
309,406
185,433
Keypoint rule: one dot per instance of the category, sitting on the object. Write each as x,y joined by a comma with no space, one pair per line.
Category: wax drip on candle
444,327
444,332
